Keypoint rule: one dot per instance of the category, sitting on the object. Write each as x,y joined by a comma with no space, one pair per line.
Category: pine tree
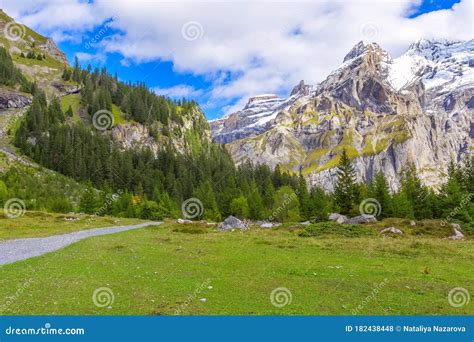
304,198
416,193
380,192
255,203
268,193
239,207
320,204
206,195
88,202
345,190
285,205
401,206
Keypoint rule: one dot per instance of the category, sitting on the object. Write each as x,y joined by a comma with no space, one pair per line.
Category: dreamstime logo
369,30
100,33
14,208
370,206
102,297
13,298
280,297
371,297
286,201
464,201
192,208
103,120
205,285
14,31
109,199
192,30
458,297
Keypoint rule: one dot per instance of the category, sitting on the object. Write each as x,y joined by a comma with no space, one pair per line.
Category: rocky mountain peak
431,44
385,112
264,99
362,48
301,88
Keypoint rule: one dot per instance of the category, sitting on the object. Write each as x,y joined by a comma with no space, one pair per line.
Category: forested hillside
10,75
153,184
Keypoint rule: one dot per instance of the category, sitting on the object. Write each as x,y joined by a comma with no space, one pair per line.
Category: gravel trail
20,249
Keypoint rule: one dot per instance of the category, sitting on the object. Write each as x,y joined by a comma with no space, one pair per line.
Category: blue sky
201,50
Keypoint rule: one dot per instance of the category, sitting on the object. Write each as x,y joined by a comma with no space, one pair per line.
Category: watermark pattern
107,203
11,299
14,208
280,297
373,294
370,206
102,297
465,200
103,119
286,202
192,208
458,296
197,291
192,30
100,33
369,30
14,31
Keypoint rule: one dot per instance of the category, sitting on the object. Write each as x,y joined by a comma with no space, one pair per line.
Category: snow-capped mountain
256,117
448,64
386,112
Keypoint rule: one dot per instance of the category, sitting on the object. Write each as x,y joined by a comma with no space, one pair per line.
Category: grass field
39,224
193,269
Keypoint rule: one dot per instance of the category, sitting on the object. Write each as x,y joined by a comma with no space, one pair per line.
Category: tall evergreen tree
345,189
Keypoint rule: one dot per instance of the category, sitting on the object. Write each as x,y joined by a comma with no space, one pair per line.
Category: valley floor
193,269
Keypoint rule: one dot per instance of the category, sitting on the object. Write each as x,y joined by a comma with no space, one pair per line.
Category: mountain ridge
373,105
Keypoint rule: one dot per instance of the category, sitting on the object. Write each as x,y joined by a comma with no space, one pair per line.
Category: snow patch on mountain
437,62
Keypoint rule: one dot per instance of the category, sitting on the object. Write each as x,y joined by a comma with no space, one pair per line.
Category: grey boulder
457,234
361,219
182,221
230,223
391,230
337,218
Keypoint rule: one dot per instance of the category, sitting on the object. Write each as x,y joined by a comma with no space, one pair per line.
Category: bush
335,229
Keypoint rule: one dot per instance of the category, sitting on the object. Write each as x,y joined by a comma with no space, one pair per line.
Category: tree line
155,186
10,75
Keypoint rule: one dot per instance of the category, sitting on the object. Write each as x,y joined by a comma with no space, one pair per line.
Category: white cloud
88,57
266,46
178,91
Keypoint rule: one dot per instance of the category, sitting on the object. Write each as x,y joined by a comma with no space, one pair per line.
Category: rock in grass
231,223
457,234
337,218
182,221
391,230
361,219
305,223
412,223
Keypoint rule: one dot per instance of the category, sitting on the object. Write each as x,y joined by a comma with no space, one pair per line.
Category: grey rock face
12,99
230,223
51,48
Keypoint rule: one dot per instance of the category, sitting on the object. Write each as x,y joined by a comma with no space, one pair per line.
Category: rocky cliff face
189,137
386,113
13,99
